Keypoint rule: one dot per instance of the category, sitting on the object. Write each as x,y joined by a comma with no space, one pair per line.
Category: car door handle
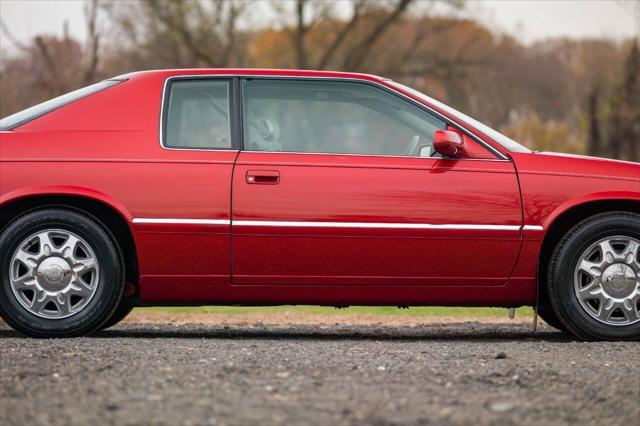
263,177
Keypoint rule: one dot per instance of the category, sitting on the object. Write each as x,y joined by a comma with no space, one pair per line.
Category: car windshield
26,115
503,140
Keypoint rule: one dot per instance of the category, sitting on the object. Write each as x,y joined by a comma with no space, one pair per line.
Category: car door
338,184
181,198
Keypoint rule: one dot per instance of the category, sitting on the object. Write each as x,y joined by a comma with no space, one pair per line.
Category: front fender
608,196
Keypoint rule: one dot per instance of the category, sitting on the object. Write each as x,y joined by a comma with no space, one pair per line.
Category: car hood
583,157
576,165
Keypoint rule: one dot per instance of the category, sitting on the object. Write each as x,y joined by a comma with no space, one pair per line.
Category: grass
435,311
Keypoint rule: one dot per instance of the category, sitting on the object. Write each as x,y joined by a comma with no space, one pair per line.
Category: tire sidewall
110,283
566,260
118,315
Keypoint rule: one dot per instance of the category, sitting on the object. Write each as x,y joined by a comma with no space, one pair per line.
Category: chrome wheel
54,273
607,280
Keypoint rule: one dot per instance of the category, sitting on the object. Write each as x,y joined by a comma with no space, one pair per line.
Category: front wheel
61,274
550,317
120,313
594,278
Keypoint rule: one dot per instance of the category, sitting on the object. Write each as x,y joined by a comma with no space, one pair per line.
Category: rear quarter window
196,114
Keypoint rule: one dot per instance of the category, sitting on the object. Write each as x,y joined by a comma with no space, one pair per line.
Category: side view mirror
448,143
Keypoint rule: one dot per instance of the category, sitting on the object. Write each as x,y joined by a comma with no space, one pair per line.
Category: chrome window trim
365,225
470,133
165,88
374,155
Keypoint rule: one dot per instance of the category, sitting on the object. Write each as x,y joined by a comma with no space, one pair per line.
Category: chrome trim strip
465,128
289,224
182,221
532,228
374,155
374,225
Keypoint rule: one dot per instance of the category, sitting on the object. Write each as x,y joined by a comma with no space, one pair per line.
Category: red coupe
264,187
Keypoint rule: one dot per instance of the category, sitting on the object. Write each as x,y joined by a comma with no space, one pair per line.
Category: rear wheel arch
111,219
563,223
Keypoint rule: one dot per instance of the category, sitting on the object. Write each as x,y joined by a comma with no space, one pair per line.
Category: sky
528,20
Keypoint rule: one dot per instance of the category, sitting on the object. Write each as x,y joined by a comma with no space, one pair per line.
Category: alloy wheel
54,273
607,280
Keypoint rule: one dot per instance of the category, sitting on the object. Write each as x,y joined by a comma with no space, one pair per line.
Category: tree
167,33
313,17
595,141
623,119
630,103
93,41
49,66
577,95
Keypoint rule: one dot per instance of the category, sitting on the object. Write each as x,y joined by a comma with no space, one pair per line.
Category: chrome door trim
376,225
328,224
465,128
182,221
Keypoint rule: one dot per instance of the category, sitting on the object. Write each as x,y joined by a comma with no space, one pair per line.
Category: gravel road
467,373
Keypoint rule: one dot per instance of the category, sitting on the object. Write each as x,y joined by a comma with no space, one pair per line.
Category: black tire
550,317
120,313
108,292
560,280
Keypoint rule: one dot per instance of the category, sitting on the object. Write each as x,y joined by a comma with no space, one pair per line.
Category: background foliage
575,95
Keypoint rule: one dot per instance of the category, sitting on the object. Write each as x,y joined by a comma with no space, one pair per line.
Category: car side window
197,115
334,117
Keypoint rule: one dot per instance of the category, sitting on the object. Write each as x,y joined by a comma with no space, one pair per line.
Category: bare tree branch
594,140
358,54
10,36
52,69
426,29
234,11
91,15
320,11
175,19
342,35
299,34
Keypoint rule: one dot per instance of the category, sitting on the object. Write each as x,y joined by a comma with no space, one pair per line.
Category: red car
264,187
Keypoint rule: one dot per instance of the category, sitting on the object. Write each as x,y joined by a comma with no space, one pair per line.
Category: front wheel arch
562,224
583,241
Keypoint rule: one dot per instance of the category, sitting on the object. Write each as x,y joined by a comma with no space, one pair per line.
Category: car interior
334,117
300,116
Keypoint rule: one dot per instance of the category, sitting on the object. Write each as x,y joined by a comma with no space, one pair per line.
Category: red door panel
340,219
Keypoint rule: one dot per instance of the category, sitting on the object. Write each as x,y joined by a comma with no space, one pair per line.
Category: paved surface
459,374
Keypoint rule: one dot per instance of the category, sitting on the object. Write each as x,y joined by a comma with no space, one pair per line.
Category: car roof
253,72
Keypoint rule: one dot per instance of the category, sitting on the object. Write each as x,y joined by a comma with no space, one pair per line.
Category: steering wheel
413,145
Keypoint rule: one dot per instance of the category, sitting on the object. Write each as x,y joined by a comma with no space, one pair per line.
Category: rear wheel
62,274
594,278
